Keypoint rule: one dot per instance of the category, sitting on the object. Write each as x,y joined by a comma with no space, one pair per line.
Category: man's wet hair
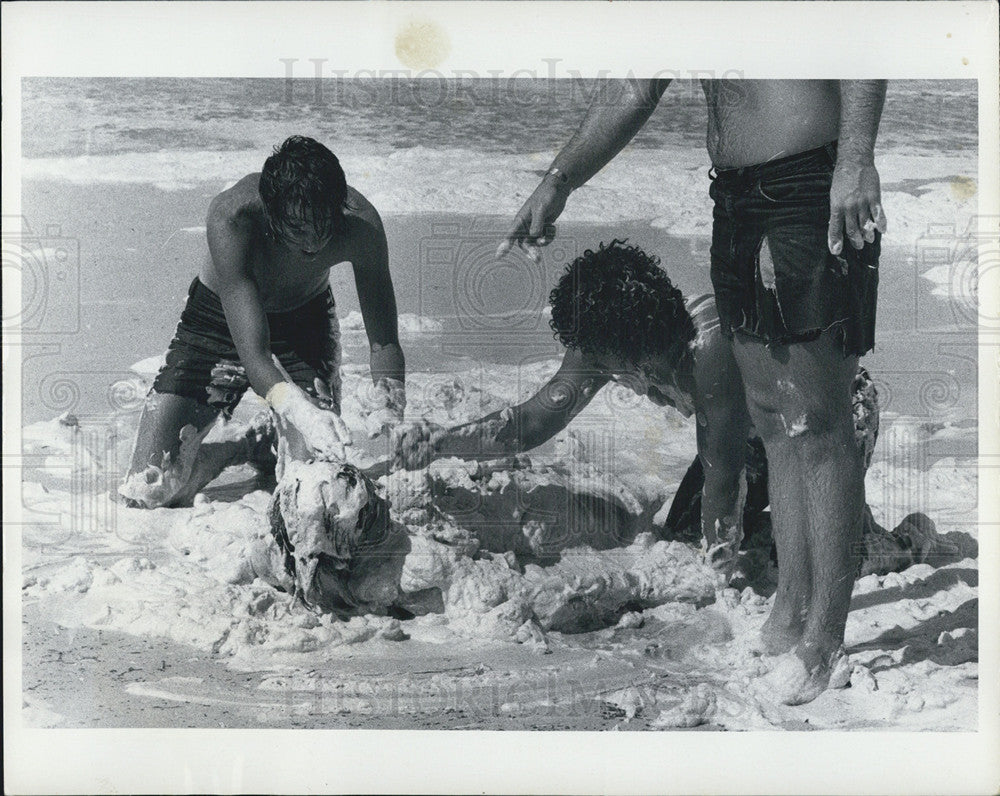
617,300
303,177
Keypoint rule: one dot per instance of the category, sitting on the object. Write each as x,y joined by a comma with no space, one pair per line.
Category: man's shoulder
239,204
357,207
705,318
701,305
715,366
578,361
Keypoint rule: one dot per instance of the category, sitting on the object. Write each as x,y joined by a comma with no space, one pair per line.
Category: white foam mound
515,555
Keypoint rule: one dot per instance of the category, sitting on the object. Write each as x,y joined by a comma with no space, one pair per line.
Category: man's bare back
754,121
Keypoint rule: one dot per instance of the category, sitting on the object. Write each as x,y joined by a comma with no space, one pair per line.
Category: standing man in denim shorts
793,174
261,315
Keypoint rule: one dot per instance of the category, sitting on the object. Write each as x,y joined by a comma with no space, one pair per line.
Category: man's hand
533,225
855,195
383,406
417,444
322,432
855,205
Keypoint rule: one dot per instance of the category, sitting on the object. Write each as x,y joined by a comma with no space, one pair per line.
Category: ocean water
71,117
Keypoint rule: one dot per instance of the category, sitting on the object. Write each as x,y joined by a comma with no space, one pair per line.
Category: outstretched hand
533,225
417,444
855,205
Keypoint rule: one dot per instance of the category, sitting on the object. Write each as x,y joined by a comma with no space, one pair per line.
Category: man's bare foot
802,675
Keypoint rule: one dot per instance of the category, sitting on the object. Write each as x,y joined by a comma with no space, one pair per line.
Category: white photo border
762,39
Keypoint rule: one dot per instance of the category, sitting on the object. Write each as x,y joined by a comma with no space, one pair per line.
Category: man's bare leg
167,447
254,448
786,493
789,521
800,400
171,464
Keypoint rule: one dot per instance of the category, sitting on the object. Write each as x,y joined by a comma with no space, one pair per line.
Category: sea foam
666,187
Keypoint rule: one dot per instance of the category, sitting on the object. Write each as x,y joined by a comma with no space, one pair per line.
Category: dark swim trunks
774,277
202,362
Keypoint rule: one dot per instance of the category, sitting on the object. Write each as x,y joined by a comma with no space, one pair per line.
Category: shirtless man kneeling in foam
260,314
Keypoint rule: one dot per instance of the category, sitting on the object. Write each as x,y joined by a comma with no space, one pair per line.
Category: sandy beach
148,618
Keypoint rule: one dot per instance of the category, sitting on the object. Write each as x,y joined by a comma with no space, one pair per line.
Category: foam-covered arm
512,430
722,450
491,437
385,406
419,443
321,430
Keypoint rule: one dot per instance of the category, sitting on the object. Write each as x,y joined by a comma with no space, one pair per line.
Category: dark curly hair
617,300
303,176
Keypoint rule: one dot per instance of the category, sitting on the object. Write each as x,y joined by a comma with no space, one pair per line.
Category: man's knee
807,433
157,487
162,481
794,406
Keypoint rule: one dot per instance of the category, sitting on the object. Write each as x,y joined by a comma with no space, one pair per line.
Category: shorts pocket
797,189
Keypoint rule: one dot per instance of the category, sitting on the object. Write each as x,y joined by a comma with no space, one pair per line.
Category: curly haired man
622,320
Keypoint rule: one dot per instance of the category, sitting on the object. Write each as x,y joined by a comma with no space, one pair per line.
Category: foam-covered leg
167,444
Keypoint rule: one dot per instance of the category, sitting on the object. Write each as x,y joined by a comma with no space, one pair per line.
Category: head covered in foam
321,514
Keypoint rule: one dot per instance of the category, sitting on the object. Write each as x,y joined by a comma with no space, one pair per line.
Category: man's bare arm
616,114
856,194
385,405
509,431
722,450
722,430
378,303
229,239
